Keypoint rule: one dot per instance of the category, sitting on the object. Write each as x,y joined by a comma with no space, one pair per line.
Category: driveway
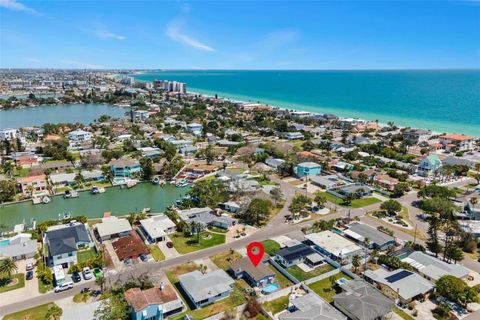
29,291
168,252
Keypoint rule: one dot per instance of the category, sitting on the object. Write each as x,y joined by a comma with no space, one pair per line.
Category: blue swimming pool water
270,288
4,243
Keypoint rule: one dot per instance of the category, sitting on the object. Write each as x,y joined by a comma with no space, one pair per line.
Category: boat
97,190
64,216
145,210
45,200
156,180
70,194
36,200
131,183
182,183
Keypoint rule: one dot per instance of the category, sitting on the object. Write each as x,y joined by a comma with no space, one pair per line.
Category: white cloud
79,64
17,6
174,31
101,32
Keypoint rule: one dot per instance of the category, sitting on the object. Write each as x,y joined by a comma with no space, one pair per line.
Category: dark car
169,244
29,275
143,257
76,277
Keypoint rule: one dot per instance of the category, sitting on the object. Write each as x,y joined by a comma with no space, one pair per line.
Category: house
156,303
157,227
335,246
274,163
357,189
63,242
327,182
310,307
385,181
79,136
129,247
256,276
429,165
206,217
455,161
308,169
20,246
293,135
358,232
138,115
113,227
458,142
93,175
33,185
204,289
230,206
124,167
400,284
415,136
62,179
8,134
26,161
227,143
432,268
195,128
296,254
360,301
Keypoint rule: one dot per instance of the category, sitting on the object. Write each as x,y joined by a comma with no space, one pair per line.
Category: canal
60,113
117,200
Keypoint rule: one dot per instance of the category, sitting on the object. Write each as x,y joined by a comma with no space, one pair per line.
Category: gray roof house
204,289
206,217
113,227
433,268
400,284
378,240
21,246
361,301
310,307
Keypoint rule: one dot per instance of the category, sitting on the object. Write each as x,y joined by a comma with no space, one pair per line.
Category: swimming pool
4,243
270,288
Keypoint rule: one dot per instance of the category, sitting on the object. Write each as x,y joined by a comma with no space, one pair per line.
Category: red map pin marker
255,251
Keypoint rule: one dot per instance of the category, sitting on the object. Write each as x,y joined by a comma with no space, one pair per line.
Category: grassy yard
271,247
282,281
402,313
357,203
87,254
277,305
156,253
20,278
325,289
36,313
189,244
225,259
301,275
173,273
217,230
43,288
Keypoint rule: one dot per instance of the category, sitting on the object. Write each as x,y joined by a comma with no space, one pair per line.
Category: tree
276,195
7,190
258,211
253,307
209,154
147,168
113,308
299,203
433,242
320,199
8,267
400,189
54,312
8,168
356,262
349,197
456,289
392,207
209,193
196,228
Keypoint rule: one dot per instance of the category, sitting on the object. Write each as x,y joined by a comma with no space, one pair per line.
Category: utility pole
415,235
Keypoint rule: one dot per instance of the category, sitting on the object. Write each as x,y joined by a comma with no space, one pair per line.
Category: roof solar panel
398,276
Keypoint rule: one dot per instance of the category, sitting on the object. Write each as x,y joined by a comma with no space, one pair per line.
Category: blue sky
240,34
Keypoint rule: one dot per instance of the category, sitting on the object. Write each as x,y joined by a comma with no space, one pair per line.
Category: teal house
429,165
156,303
308,169
124,167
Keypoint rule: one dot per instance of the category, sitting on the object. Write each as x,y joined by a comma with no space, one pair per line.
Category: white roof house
334,245
112,227
157,227
62,178
433,268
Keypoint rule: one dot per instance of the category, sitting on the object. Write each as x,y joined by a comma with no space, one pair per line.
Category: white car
64,286
87,274
29,266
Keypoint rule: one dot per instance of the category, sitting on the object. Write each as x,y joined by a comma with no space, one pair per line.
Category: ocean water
440,100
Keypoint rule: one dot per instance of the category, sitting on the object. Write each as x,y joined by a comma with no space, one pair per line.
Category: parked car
143,257
85,290
29,266
169,244
87,274
76,277
29,275
64,286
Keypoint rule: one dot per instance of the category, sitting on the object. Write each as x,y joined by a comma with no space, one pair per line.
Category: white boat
36,200
45,200
156,180
131,183
70,194
182,183
96,190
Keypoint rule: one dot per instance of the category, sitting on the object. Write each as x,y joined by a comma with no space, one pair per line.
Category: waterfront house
138,115
296,254
458,142
358,232
62,179
206,217
335,246
63,242
92,175
400,284
415,136
361,301
8,134
20,246
429,165
204,289
256,276
113,227
129,247
307,169
33,185
293,135
157,303
156,228
124,167
310,307
79,136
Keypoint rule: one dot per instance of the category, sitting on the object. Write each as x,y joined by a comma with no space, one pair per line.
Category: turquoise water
270,288
4,243
441,100
83,113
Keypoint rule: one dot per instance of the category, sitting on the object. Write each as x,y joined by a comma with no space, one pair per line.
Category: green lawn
271,247
218,230
20,283
223,260
277,305
325,289
402,313
157,254
301,275
87,254
43,288
357,203
282,281
189,244
36,313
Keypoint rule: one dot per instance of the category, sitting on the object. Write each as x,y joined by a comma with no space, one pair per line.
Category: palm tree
473,201
356,262
8,267
8,169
